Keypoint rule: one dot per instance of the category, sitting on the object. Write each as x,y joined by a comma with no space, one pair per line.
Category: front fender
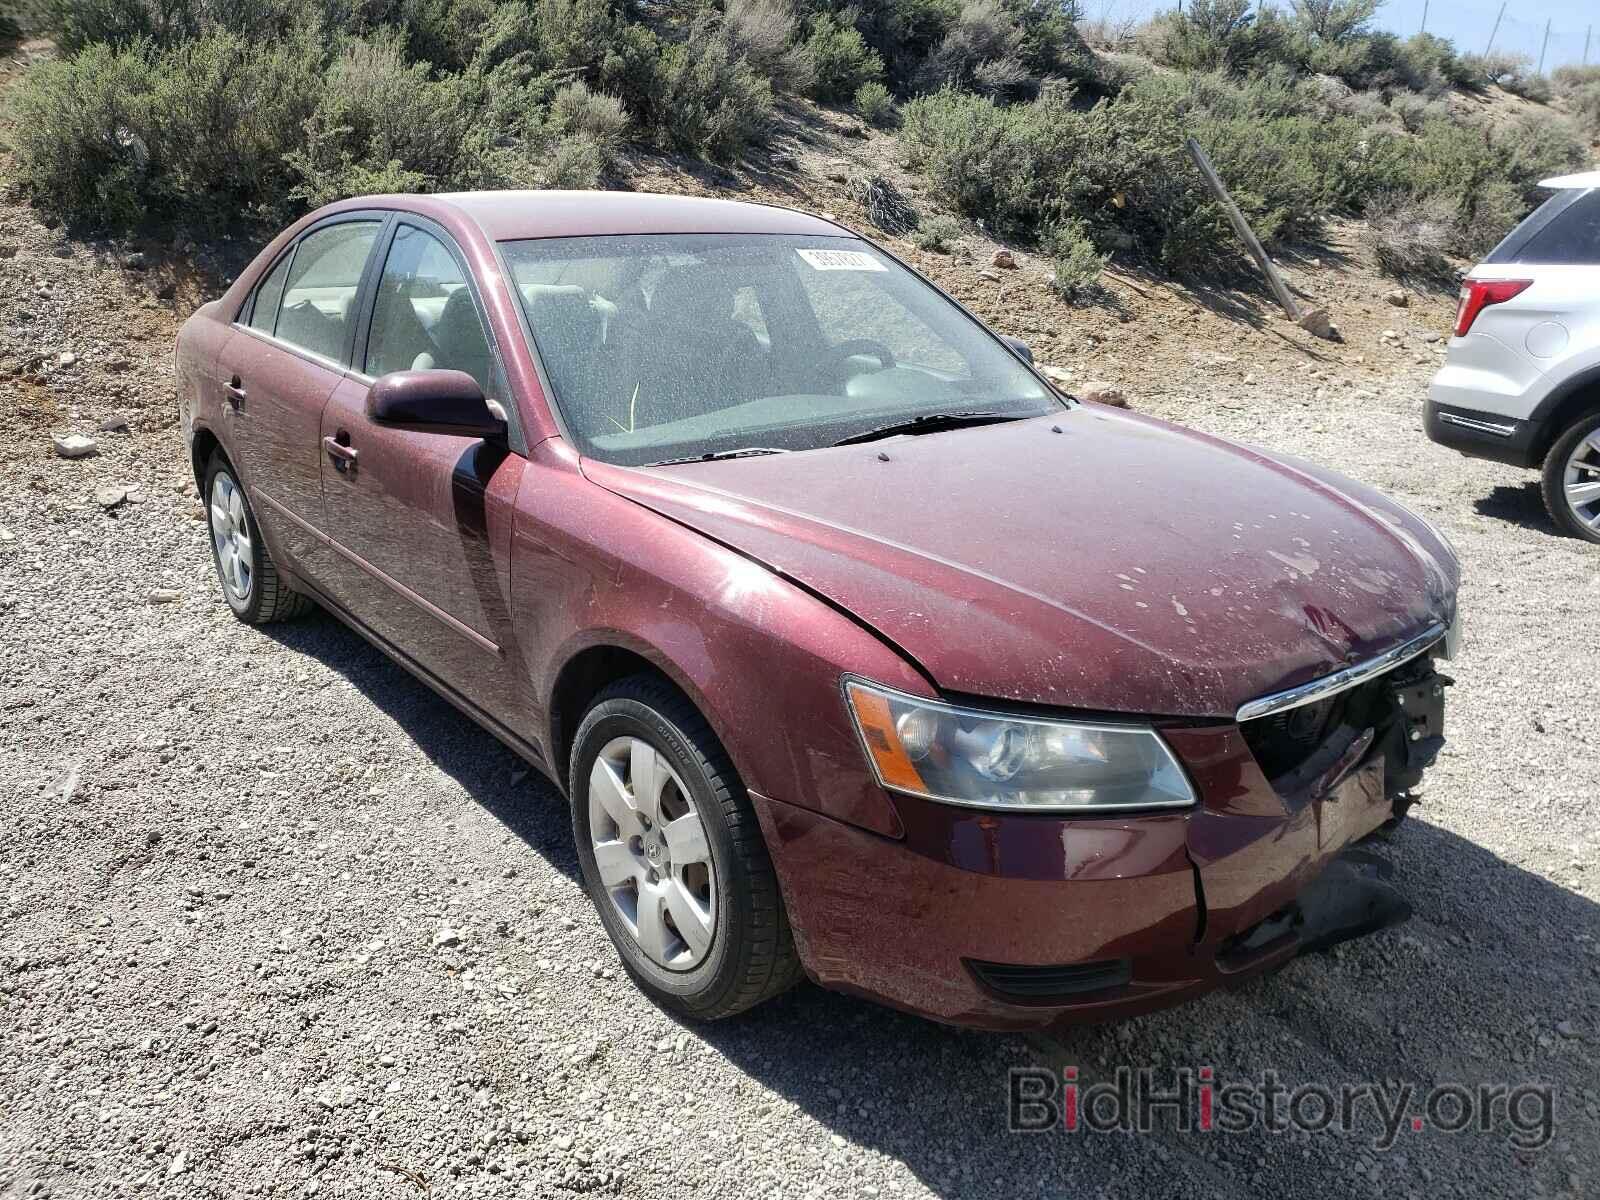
758,655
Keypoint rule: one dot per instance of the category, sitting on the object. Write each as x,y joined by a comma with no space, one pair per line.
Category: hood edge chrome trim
1341,681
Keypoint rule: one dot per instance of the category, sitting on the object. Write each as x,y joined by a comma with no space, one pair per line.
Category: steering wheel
871,347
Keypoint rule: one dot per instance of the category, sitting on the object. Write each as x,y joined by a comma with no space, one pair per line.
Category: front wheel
1571,482
673,857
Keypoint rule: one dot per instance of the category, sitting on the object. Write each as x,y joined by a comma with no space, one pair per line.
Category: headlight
991,760
1453,633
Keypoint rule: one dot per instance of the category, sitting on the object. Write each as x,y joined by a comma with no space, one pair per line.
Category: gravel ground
274,920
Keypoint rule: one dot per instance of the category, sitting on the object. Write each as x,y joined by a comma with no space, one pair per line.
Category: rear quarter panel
194,359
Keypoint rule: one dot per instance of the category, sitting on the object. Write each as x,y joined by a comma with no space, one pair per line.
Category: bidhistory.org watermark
1195,1100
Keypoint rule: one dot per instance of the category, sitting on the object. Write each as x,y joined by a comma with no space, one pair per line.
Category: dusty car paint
1092,561
1121,578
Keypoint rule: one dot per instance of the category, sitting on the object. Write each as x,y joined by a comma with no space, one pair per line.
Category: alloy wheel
230,532
1581,481
652,854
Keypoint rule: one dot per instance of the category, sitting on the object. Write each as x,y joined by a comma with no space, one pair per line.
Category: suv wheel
249,579
672,855
1571,482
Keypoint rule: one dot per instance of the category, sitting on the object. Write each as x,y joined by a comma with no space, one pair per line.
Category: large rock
75,445
1099,391
1318,324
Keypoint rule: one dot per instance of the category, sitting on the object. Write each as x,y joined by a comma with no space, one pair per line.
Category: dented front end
1025,920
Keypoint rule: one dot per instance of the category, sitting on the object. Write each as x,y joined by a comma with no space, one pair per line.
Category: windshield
669,346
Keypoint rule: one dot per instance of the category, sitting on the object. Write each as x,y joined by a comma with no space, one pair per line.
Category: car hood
1092,559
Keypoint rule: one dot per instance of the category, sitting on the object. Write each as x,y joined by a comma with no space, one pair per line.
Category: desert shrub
973,154
574,162
1569,78
1369,109
1335,20
225,113
1218,35
1584,101
11,30
902,33
1292,153
1502,68
874,104
1111,71
938,234
706,99
79,133
841,60
449,34
764,33
1428,64
1538,145
981,53
1491,212
380,117
1410,237
1529,86
1051,44
203,129
78,24
580,112
577,34
1078,263
1415,111
885,205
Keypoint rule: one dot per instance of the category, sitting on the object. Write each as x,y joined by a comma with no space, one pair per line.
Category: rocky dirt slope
276,921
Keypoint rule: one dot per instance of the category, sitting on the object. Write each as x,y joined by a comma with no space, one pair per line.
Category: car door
421,522
287,352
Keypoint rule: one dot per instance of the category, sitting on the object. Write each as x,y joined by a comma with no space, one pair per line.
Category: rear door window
264,316
320,294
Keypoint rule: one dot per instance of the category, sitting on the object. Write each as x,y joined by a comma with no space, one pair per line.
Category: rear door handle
342,454
235,390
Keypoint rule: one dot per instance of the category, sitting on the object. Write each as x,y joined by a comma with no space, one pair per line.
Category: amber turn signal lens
883,743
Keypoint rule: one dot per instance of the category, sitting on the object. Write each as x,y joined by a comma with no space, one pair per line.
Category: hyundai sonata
858,651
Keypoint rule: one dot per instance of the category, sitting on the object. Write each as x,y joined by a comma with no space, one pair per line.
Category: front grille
1283,741
1052,982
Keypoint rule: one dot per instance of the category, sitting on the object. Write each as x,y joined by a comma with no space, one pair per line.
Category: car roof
510,215
1584,179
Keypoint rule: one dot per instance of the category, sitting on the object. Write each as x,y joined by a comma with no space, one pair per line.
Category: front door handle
235,390
343,454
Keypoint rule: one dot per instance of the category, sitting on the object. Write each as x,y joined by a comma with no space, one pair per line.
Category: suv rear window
1563,231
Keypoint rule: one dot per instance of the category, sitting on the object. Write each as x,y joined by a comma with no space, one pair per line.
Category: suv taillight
1479,294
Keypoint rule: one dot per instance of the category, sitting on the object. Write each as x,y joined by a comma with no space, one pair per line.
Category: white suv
1521,381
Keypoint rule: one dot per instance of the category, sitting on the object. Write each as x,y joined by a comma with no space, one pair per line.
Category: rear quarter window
1565,231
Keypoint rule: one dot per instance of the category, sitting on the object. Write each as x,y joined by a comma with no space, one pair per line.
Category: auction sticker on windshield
841,260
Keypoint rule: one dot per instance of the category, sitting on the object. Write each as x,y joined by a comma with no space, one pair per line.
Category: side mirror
434,402
1019,347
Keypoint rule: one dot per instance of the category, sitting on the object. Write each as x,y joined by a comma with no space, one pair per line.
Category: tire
254,591
750,955
1579,449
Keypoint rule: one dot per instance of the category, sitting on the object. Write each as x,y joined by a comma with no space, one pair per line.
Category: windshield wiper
716,455
932,423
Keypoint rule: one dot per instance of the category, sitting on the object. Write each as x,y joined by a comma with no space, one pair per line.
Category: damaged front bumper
1017,921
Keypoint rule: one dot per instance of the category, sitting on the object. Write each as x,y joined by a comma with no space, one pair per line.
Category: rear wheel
250,581
673,857
1571,482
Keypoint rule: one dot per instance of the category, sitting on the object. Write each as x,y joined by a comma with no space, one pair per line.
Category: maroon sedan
857,650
